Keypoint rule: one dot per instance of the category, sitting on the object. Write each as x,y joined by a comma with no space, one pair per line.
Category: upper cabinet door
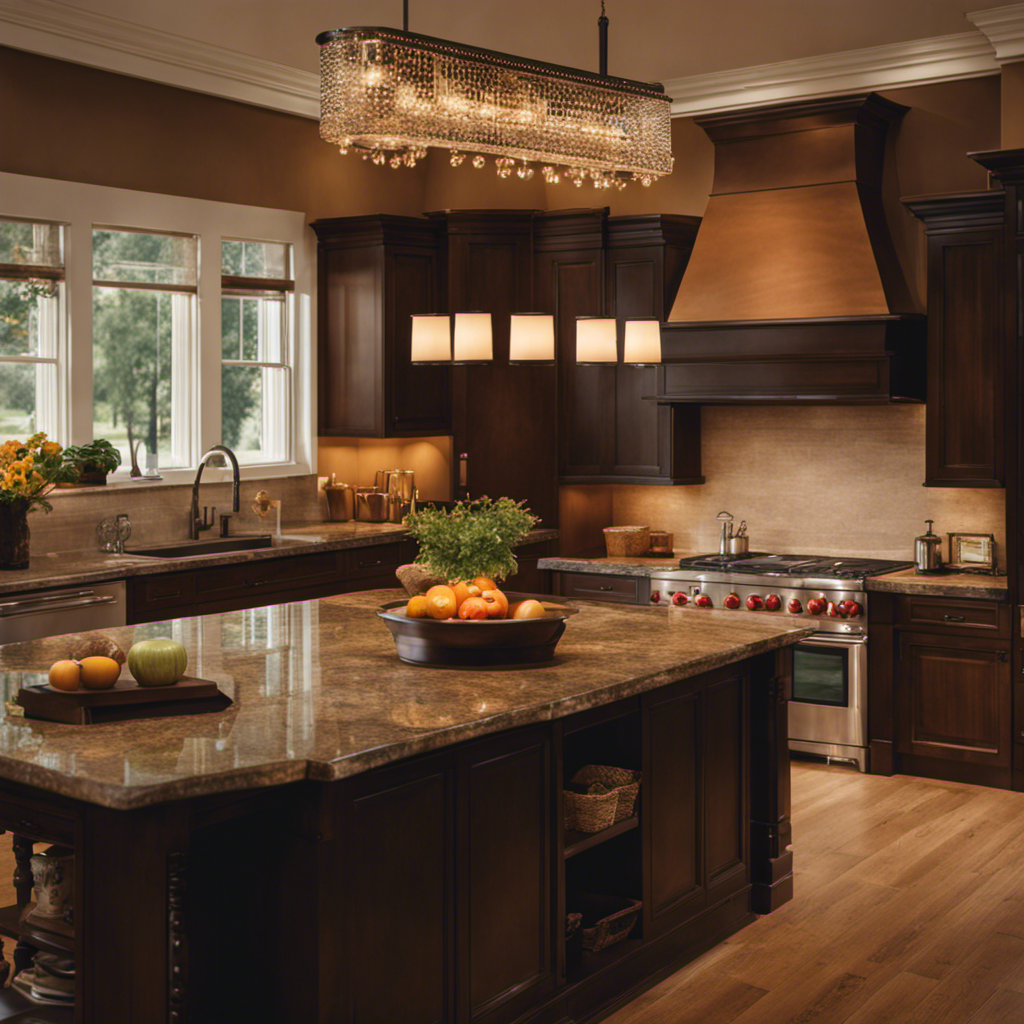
964,446
373,274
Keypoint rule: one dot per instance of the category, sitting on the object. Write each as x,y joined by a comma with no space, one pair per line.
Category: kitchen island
359,839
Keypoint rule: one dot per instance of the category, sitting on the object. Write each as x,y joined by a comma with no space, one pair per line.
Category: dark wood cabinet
373,274
952,694
592,586
504,418
696,804
965,422
590,264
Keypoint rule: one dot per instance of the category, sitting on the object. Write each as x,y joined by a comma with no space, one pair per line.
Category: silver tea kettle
928,550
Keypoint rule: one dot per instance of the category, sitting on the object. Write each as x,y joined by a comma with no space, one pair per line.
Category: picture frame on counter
972,552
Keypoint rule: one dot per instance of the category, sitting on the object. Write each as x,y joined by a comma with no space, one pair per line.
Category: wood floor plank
714,997
895,1002
1002,1007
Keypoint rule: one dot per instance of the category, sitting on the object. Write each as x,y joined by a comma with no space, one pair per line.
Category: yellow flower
51,448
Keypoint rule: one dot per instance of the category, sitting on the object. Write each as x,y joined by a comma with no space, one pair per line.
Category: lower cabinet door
398,839
504,876
953,699
672,806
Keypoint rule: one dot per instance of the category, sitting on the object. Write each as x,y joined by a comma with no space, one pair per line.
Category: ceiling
651,40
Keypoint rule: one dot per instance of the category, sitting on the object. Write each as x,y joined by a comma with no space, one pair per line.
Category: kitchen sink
213,546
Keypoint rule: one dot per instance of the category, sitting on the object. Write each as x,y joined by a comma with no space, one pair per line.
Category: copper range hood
793,292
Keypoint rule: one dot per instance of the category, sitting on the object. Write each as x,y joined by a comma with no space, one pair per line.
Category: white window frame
81,207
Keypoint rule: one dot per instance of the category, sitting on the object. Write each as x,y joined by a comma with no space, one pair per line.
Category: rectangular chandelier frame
393,94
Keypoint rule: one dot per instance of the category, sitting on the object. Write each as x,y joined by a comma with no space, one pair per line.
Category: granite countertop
320,693
908,581
70,569
903,581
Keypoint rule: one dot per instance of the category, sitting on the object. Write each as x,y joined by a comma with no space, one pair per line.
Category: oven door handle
830,640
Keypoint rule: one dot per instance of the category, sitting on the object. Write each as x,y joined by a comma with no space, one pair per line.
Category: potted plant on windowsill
93,461
28,472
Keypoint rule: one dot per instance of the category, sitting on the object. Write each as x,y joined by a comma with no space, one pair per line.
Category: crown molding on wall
70,33
918,62
1004,29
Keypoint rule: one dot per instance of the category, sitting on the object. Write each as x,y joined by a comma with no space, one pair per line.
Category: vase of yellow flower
29,470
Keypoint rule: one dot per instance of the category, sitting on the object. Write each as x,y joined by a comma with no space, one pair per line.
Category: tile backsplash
159,512
819,479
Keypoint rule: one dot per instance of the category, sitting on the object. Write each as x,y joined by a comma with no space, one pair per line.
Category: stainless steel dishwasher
29,616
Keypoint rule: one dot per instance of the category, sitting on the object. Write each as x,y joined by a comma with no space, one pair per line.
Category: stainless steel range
829,713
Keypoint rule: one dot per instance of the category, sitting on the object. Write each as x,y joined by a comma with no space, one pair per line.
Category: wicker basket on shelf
601,795
606,919
628,541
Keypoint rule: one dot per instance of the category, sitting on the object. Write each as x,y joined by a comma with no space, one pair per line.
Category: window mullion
78,336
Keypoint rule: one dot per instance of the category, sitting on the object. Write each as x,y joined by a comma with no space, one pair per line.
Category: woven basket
609,795
572,924
627,540
606,919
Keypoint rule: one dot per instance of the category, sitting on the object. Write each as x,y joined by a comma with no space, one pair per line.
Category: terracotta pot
14,534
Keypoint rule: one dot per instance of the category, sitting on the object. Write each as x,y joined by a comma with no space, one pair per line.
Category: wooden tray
126,699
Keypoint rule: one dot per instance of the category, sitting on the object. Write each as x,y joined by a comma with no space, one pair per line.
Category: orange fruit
464,590
417,608
497,603
485,583
529,609
99,672
441,602
66,675
474,608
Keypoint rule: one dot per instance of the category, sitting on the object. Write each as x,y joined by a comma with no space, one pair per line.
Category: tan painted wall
1012,112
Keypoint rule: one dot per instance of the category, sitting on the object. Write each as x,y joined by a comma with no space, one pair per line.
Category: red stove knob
754,603
679,598
773,602
732,601
794,607
833,611
655,596
702,601
853,609
816,605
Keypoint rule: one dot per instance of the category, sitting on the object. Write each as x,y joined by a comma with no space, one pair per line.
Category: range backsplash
835,480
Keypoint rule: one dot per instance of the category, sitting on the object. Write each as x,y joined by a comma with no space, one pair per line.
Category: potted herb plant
93,461
474,538
29,470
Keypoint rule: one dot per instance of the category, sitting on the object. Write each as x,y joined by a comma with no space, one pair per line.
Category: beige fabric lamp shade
431,338
642,344
531,338
473,340
596,340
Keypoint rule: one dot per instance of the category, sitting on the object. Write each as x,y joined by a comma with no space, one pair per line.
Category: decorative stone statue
53,879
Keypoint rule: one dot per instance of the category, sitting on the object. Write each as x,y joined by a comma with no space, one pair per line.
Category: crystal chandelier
391,94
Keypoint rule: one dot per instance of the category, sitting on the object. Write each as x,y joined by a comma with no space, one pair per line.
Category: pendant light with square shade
474,342
431,341
596,341
531,339
642,343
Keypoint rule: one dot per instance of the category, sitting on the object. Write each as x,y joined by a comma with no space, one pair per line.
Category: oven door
829,704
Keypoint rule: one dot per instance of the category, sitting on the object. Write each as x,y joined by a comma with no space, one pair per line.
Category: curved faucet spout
196,525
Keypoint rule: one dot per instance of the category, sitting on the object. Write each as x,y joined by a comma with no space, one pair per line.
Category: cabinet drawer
168,591
270,574
990,617
594,587
373,561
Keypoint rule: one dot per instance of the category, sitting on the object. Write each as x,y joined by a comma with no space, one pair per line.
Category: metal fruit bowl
478,643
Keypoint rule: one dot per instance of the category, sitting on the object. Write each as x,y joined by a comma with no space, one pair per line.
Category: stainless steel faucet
197,525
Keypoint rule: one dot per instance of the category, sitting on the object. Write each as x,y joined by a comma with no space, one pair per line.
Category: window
113,324
143,315
31,317
256,286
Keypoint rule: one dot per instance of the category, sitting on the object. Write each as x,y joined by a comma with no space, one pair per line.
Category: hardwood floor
909,909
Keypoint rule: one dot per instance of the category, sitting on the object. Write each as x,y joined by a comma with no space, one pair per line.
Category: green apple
157,662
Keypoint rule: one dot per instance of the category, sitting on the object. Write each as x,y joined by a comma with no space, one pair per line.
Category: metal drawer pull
606,587
955,618
366,565
48,599
84,602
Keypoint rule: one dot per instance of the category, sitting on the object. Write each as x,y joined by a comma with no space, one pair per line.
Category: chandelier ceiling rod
602,36
405,15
